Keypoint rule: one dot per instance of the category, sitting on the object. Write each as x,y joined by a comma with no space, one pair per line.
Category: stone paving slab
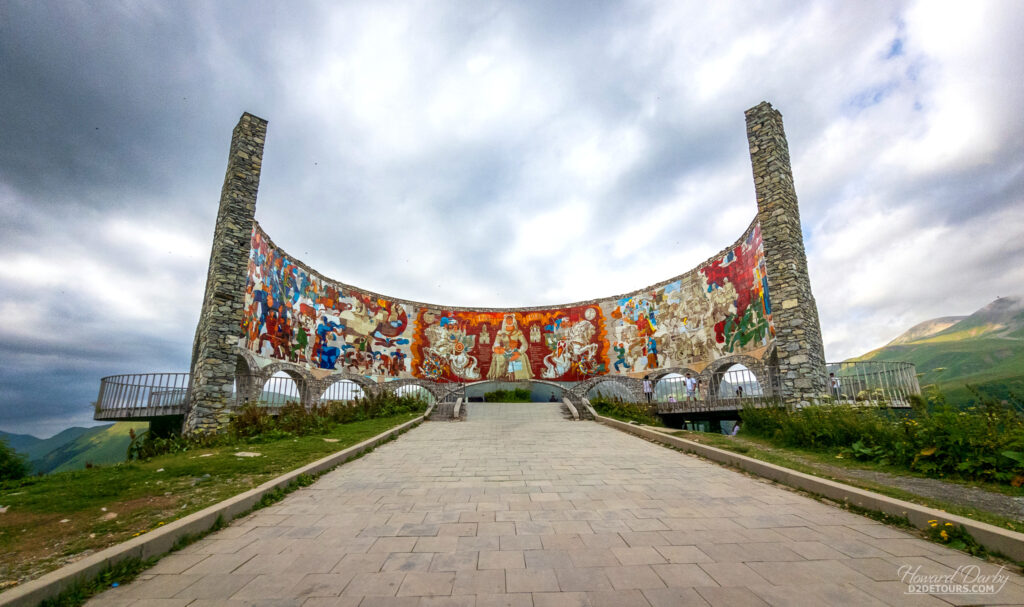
517,506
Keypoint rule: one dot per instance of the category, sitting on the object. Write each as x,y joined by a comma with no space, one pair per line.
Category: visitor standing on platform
648,389
691,387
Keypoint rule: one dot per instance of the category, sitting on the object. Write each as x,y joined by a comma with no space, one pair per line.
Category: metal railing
277,391
142,395
342,390
878,383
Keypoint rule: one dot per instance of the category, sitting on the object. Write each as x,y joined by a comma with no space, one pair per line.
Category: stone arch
580,390
248,360
247,385
713,374
368,386
304,380
658,374
441,391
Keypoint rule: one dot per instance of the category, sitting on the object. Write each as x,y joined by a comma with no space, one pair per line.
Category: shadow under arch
555,387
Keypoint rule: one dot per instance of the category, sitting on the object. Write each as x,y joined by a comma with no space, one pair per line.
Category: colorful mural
558,345
294,314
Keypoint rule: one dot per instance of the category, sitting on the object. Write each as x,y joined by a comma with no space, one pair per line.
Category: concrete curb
572,409
161,540
1009,543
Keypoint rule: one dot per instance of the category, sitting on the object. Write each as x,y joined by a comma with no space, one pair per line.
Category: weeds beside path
1002,506
54,520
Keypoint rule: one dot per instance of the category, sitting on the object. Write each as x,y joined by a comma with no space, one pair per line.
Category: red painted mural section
558,345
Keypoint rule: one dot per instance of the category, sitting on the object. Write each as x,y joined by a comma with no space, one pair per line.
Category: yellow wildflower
933,522
945,536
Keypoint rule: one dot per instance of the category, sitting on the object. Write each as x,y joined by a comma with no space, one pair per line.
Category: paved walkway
518,507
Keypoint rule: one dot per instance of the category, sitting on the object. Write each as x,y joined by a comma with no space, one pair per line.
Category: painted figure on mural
451,347
511,350
293,314
652,353
572,349
620,356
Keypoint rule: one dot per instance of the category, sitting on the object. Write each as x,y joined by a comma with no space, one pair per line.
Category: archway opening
344,390
279,390
738,381
416,391
610,390
538,392
671,387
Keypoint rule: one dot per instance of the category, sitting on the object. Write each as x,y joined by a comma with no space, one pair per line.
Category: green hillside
41,447
984,349
101,445
19,442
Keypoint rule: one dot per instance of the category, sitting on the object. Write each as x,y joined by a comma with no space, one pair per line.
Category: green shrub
12,464
253,423
617,408
985,442
517,395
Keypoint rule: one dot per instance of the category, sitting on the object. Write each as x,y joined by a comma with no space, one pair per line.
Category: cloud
490,154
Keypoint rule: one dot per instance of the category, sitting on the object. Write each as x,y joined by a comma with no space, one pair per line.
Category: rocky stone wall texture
214,355
799,349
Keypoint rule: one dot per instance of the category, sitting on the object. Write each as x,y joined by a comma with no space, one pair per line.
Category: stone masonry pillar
214,356
800,352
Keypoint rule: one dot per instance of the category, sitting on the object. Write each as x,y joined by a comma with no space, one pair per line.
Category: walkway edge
995,539
161,540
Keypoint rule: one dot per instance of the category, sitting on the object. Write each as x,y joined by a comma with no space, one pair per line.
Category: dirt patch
1006,506
34,544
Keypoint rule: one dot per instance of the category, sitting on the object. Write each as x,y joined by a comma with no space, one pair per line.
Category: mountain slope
926,329
46,445
101,445
19,442
984,349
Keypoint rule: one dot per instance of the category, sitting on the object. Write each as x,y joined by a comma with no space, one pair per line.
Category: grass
623,411
52,519
815,463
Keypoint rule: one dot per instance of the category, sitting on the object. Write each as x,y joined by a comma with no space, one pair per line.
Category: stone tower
214,356
801,355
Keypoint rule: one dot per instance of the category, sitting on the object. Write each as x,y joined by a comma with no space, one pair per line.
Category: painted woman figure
510,344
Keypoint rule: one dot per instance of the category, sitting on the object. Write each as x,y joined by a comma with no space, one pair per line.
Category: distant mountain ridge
926,329
72,448
985,349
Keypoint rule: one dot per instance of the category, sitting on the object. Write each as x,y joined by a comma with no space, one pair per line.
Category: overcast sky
498,154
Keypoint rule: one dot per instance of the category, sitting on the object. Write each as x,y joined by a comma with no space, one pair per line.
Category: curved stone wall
290,317
720,308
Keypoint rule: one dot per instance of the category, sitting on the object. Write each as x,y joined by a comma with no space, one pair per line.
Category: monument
266,311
